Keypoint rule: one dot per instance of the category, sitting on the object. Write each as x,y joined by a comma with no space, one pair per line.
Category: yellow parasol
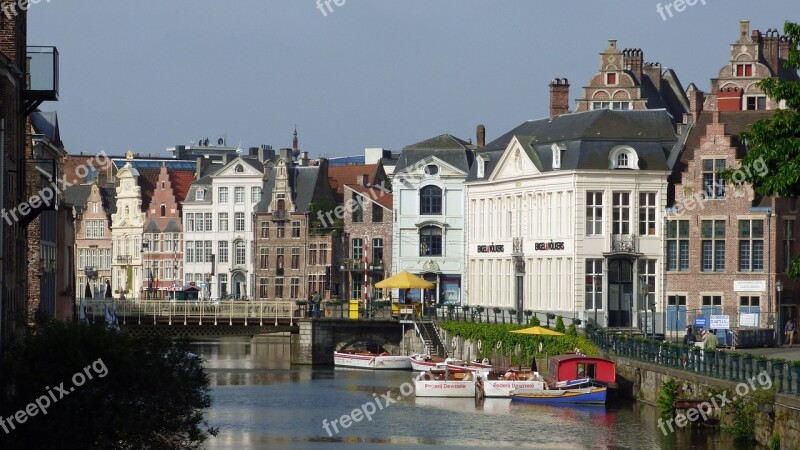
404,280
538,331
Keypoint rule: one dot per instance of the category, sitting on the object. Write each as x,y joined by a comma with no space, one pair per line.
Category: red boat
568,367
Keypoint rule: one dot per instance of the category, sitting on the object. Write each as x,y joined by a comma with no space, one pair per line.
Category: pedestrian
316,300
790,329
689,339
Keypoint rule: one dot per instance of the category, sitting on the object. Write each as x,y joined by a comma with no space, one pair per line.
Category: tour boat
369,356
473,366
500,384
421,362
566,368
586,395
445,383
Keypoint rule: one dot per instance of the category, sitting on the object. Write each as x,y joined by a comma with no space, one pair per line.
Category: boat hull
441,388
592,395
503,388
371,362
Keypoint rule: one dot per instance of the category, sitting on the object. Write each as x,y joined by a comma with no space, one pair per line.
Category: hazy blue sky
148,74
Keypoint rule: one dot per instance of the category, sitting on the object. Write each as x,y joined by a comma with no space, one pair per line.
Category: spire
295,143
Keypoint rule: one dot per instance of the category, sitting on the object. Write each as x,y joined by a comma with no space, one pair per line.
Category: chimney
744,31
559,96
254,151
653,71
696,99
180,151
199,168
303,159
633,60
770,49
286,155
480,135
362,180
224,159
783,46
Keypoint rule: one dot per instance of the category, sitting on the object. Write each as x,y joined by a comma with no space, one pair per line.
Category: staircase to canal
430,337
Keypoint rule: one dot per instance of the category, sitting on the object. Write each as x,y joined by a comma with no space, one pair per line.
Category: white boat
363,355
496,384
445,383
473,366
421,362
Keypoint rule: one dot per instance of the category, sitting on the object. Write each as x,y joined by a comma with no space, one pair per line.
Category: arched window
623,157
163,210
622,160
430,200
430,241
239,168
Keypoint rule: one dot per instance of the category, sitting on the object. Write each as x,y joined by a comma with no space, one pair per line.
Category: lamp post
595,278
779,288
646,292
145,245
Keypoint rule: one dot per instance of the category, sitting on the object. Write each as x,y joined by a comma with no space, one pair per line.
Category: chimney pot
362,180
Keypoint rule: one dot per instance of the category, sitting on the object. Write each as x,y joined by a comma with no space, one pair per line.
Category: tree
133,392
560,325
774,143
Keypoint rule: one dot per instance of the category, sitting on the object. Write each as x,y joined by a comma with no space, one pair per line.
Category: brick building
725,247
369,230
93,206
294,251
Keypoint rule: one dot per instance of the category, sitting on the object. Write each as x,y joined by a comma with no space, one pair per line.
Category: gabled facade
571,225
127,227
218,229
428,203
295,251
93,264
726,248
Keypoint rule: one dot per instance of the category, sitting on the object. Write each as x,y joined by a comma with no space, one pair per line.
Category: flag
83,320
156,282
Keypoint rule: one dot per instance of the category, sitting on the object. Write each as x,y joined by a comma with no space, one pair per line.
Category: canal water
261,401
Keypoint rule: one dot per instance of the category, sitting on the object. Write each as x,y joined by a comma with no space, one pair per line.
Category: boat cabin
574,366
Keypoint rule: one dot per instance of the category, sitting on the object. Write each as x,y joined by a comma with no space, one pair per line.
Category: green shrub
666,399
535,321
560,325
572,330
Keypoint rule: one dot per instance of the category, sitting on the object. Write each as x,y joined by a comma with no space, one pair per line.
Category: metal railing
731,366
138,311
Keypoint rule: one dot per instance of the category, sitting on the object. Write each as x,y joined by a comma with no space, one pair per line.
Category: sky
146,75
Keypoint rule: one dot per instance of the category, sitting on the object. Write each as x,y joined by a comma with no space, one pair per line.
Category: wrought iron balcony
124,259
624,243
279,216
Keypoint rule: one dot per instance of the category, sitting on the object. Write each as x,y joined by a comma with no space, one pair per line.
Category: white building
428,187
565,216
127,226
218,229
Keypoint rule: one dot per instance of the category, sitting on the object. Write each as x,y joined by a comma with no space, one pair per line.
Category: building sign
700,322
491,248
748,320
750,285
546,246
720,323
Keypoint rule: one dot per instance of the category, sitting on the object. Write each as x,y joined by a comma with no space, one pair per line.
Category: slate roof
305,186
46,123
152,228
173,227
78,194
376,195
589,137
450,149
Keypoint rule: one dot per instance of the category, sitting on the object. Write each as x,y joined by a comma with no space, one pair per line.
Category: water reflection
261,401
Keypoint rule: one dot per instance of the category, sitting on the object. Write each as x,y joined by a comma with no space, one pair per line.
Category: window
312,254
239,168
163,210
199,194
281,230
594,213
189,221
198,249
622,160
294,288
278,287
263,287
430,200
358,209
223,221
189,251
295,229
209,251
223,195
323,254
621,213
678,245
749,304
238,221
199,224
755,103
751,245
255,194
611,78
223,283
431,169
265,229
357,245
295,257
155,245
377,250
611,105
377,213
594,284
713,235
238,195
430,241
279,259
240,253
647,278
647,213
712,300
713,184
312,281
788,243
676,313
263,258
223,251
744,70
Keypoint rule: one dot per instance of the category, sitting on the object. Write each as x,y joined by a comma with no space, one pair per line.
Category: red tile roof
181,181
378,196
338,176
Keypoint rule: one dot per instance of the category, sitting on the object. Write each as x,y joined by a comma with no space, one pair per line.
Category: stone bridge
318,339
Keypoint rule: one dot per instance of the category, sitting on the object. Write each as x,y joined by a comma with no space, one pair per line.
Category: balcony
279,216
124,259
42,81
355,265
624,243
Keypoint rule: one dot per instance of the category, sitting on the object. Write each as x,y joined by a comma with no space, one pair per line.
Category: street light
145,245
595,277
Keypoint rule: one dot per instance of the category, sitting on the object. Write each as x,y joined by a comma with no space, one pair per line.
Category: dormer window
559,150
623,157
611,78
481,167
198,195
239,168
